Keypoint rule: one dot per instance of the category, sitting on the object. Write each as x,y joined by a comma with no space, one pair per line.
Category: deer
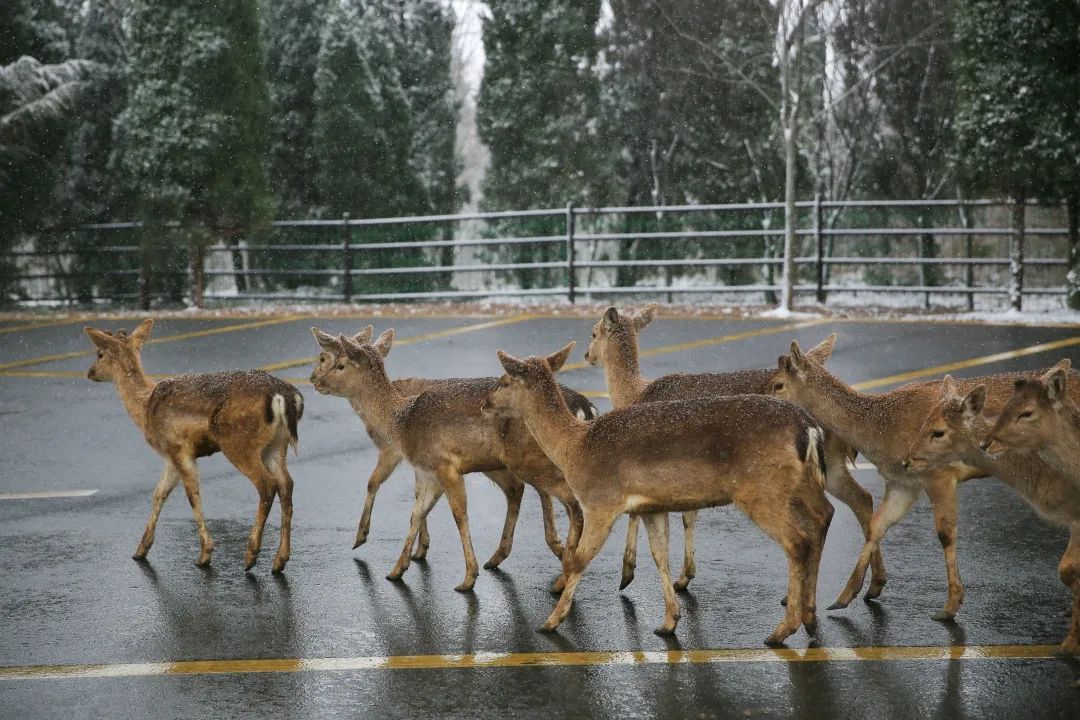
957,428
1042,418
882,428
250,416
613,346
443,435
330,355
764,455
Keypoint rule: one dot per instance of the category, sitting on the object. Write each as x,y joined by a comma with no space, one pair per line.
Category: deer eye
937,434
100,354
1025,415
341,366
778,386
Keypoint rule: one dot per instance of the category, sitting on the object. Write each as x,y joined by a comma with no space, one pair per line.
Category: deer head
119,354
950,430
795,370
332,365
616,332
522,378
1032,417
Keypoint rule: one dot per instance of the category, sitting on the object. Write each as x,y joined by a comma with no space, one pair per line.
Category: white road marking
46,494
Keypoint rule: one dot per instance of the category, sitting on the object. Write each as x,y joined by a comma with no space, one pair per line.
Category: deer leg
1069,572
168,480
573,535
656,525
189,475
266,501
841,485
513,488
629,559
285,490
454,487
796,553
551,531
595,530
428,492
898,500
423,539
821,518
388,460
689,570
942,494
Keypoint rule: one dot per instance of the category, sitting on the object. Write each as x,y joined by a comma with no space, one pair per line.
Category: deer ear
1055,381
353,350
644,316
364,336
973,403
101,339
385,342
948,387
326,341
783,363
557,359
511,364
1019,384
142,333
821,352
611,318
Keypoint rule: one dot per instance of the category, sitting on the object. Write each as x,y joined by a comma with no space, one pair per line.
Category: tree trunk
197,277
1016,252
1072,280
787,294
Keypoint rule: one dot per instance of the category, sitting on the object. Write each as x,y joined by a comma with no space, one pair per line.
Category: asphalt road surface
85,632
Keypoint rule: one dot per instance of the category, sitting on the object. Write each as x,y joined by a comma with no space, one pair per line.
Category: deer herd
774,442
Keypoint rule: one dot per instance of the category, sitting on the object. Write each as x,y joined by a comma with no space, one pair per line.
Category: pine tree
192,138
291,29
537,104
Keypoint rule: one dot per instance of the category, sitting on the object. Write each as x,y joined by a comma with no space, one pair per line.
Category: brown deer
762,454
882,428
614,347
954,431
250,416
330,355
1041,418
442,433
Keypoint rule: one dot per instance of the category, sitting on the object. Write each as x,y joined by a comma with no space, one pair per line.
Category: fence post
195,251
346,248
144,268
1016,253
819,241
570,289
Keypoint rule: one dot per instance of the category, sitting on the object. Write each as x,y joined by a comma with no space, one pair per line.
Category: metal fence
943,250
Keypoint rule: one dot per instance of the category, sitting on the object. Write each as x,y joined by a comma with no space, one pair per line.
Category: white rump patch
581,414
277,404
299,403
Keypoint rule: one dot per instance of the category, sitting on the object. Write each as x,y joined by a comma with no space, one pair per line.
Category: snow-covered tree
292,29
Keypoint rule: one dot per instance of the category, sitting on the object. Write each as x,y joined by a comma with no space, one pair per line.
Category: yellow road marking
972,362
153,341
532,659
706,342
36,325
410,340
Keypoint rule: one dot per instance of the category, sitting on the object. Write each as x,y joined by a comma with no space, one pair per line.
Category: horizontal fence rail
866,251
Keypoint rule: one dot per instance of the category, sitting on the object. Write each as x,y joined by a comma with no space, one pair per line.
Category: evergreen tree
291,29
192,137
538,103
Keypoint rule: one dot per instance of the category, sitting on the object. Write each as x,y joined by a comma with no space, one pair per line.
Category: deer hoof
627,578
944,616
838,605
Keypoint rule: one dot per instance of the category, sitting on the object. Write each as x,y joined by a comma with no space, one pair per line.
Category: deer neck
378,403
134,388
557,430
858,418
622,374
1063,453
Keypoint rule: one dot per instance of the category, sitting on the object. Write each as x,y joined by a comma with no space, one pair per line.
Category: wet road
70,595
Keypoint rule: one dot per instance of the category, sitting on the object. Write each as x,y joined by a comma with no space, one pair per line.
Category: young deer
614,347
954,431
250,416
882,427
443,435
1040,417
331,354
764,455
